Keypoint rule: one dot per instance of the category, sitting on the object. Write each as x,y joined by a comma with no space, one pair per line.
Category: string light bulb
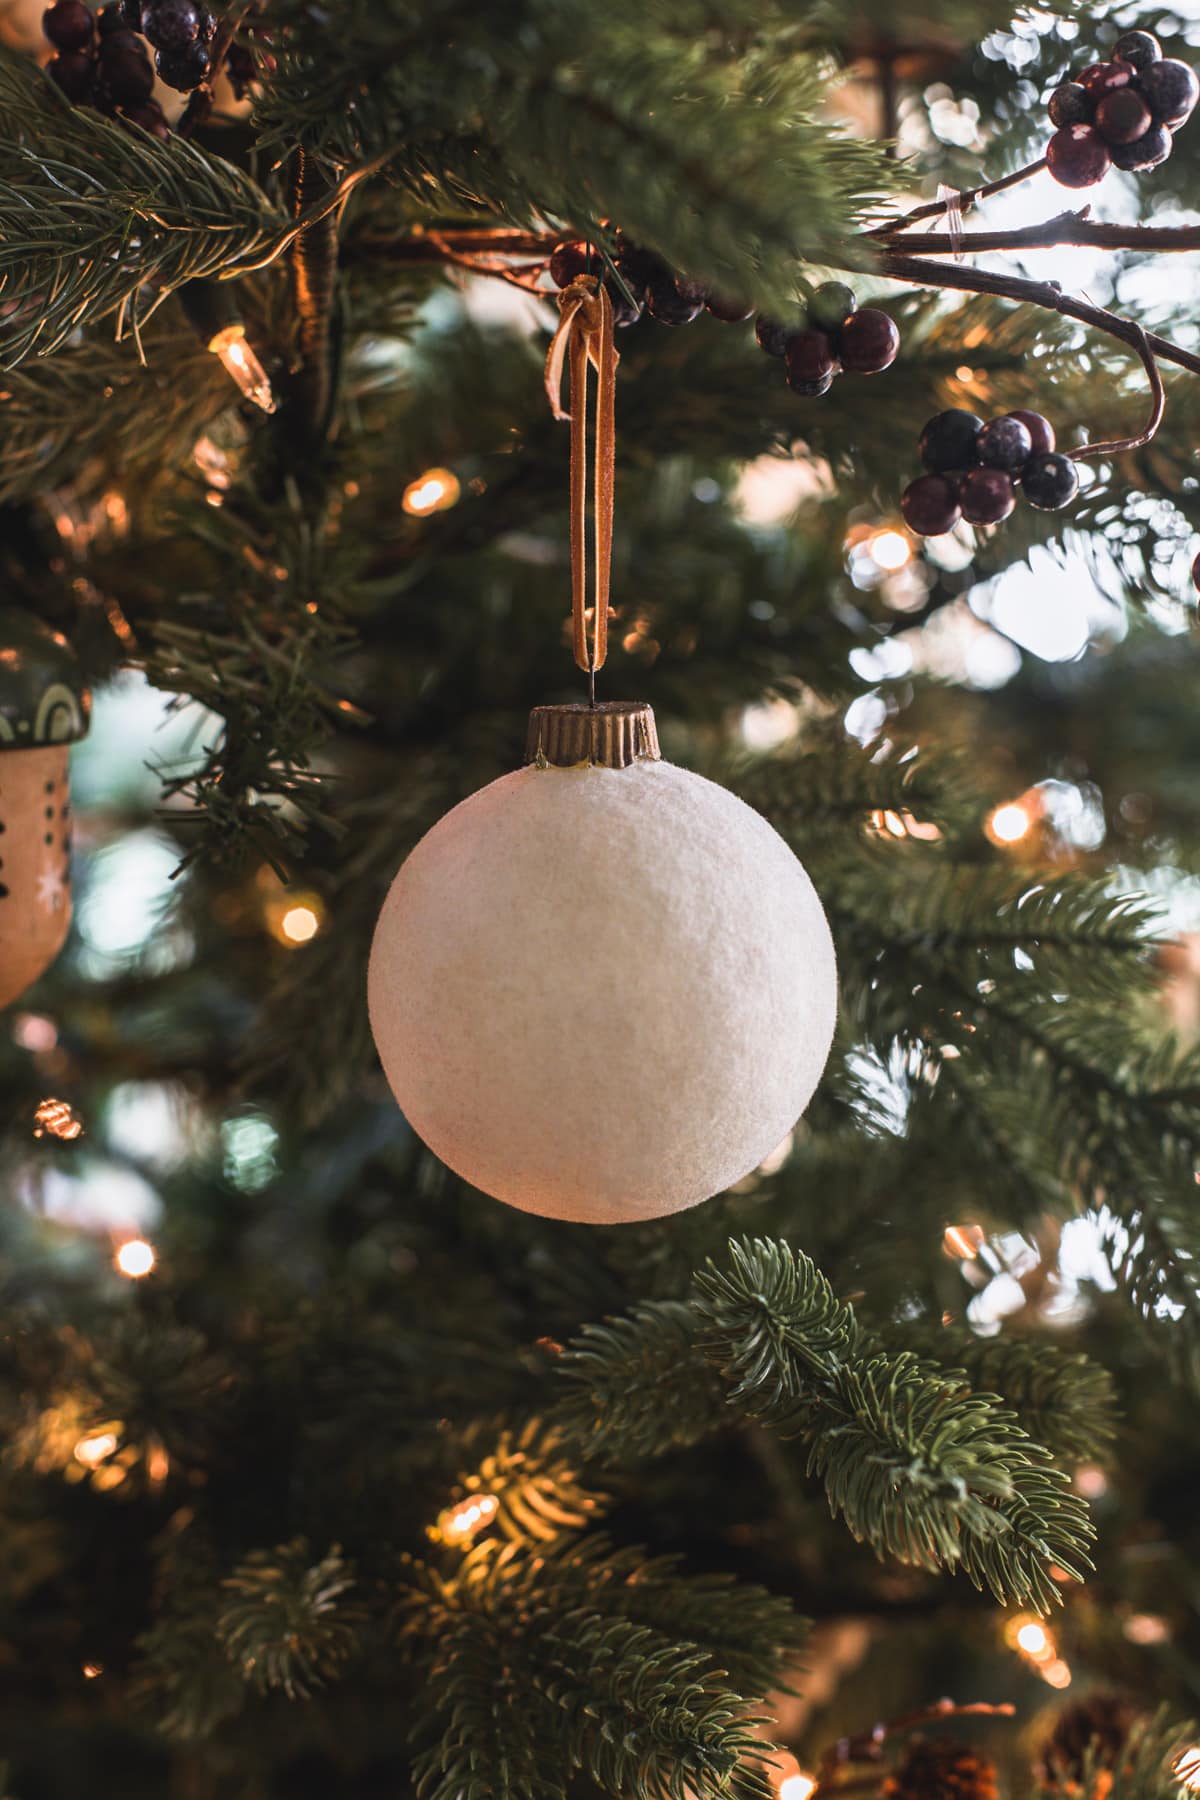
460,1523
135,1258
434,491
92,1451
1011,822
890,550
212,314
238,359
798,1787
57,1118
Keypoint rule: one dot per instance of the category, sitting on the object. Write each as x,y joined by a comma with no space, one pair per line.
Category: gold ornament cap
612,735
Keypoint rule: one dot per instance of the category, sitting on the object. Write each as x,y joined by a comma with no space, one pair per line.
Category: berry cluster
835,336
101,58
1121,112
974,470
831,336
652,285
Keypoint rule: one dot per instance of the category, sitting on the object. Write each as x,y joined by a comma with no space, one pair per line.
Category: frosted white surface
602,994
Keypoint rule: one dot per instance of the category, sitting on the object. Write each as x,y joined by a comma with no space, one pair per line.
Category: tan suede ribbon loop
585,335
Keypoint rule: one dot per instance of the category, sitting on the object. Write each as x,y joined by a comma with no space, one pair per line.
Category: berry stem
1064,228
966,200
1037,293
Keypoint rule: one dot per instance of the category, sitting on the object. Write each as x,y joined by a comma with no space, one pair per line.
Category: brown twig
966,200
867,1747
1064,228
1036,293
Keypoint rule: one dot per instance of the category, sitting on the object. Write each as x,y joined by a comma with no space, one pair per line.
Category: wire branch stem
970,198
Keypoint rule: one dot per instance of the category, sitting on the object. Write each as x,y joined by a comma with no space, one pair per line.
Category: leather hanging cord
585,335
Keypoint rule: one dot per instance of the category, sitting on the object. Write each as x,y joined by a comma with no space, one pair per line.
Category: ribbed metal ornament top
613,735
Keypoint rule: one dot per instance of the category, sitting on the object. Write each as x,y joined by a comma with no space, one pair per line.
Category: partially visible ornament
942,1769
1091,1735
602,988
43,709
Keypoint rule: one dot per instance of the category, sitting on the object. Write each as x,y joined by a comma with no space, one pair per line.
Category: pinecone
941,1769
1094,1731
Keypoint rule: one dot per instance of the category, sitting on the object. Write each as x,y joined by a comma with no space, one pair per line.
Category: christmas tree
324,1473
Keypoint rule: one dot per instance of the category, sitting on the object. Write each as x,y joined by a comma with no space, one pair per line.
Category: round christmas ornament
43,709
603,988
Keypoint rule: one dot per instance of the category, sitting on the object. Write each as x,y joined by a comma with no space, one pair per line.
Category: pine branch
921,1468
131,219
287,1623
714,154
617,1374
1063,1400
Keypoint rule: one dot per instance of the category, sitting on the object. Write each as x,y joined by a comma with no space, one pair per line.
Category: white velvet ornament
602,994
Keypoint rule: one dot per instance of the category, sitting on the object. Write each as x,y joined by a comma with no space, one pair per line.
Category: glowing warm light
294,919
797,1787
459,1524
57,1118
1091,1481
33,1031
887,823
135,1258
92,1451
1056,1673
1033,1639
434,491
91,1670
239,361
1009,823
1147,1628
963,1241
158,1465
1187,1768
890,551
299,924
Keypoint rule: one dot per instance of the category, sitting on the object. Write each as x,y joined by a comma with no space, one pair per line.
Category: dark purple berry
1004,444
239,67
126,69
150,116
675,301
73,74
1040,430
1071,104
1171,89
69,25
110,18
1196,574
1138,48
869,342
626,310
930,505
1123,117
171,24
812,390
131,14
183,69
948,440
831,305
1050,482
1146,152
772,336
1077,156
810,357
986,496
567,261
730,312
1105,77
